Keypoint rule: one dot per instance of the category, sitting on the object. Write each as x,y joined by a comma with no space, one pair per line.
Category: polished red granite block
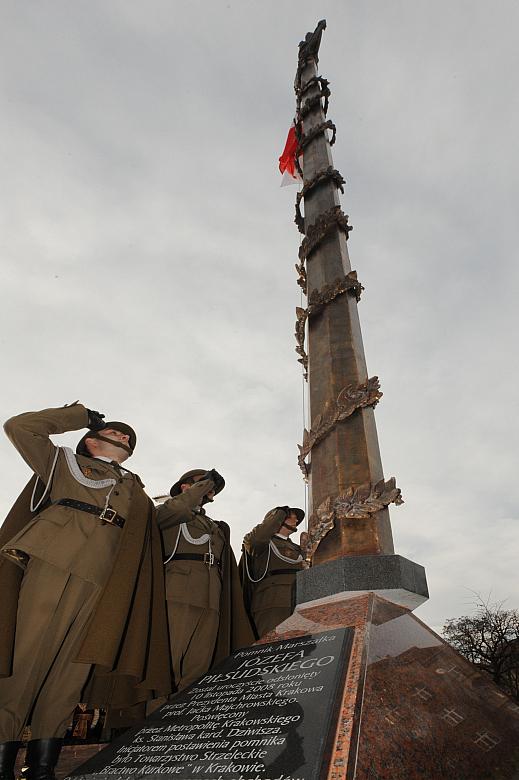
411,707
427,712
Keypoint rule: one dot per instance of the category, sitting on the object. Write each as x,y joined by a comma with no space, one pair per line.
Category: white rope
272,549
191,539
175,547
78,475
107,499
34,507
70,459
283,557
246,559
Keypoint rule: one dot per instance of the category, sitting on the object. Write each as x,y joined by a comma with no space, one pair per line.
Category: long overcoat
234,629
126,640
269,581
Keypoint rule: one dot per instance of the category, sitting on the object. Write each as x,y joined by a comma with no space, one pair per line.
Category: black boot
41,758
8,753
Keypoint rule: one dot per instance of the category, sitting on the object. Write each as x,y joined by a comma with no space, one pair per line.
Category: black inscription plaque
266,713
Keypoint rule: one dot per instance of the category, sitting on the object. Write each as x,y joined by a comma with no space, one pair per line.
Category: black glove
95,420
216,479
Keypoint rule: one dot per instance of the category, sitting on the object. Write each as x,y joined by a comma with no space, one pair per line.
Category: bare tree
490,639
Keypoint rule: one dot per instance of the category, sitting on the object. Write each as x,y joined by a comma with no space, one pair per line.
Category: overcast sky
148,250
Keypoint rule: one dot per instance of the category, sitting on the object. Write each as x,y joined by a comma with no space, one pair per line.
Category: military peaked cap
299,513
114,425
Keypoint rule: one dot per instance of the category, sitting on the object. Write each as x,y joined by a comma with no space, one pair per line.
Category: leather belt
205,558
107,515
281,571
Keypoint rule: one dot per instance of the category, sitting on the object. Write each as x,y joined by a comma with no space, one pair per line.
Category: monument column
349,519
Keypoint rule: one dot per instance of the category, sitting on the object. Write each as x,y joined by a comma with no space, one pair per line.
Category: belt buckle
108,515
209,558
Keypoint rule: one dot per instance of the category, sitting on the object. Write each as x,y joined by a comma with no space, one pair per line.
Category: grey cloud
148,251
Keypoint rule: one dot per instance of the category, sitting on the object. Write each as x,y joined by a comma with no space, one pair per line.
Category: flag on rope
287,161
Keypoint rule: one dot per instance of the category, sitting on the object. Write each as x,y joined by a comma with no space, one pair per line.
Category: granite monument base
412,706
352,689
393,577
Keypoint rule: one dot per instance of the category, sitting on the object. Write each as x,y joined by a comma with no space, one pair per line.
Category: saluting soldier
81,584
206,615
269,564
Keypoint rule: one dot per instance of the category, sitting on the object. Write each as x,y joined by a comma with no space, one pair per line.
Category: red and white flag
287,161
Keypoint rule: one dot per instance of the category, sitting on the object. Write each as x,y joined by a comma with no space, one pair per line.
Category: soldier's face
111,433
291,521
103,448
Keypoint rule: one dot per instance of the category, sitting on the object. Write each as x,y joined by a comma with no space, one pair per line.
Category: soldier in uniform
270,561
206,615
81,584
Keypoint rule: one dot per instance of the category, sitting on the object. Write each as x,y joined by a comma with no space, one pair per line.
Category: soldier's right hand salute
95,420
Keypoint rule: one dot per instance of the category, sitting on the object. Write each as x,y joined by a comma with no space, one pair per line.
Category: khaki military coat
127,637
192,582
196,583
266,591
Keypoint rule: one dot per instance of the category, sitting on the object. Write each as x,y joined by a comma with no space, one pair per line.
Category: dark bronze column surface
349,455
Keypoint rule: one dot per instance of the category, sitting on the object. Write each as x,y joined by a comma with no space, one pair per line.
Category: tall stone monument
350,540
352,686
